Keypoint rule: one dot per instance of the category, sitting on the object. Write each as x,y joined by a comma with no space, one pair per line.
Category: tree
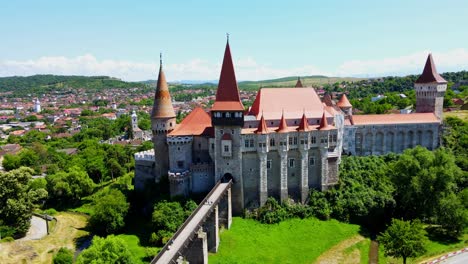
167,217
15,203
404,239
64,256
72,185
422,178
109,212
106,250
452,215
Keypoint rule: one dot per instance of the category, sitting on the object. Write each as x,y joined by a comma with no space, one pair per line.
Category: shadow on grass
437,234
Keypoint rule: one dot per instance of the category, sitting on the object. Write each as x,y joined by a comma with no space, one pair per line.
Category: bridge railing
192,215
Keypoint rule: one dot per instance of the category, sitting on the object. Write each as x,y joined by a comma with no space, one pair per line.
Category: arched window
272,142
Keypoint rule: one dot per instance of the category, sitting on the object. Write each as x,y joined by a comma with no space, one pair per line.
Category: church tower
227,119
163,121
430,90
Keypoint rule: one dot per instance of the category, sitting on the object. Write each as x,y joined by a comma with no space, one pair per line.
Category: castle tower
134,120
345,105
163,121
430,90
227,115
37,106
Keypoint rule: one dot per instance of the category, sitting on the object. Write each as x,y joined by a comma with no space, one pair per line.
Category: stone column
324,163
284,175
197,252
263,184
229,209
304,174
212,231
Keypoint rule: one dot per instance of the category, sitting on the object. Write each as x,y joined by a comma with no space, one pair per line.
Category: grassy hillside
291,241
37,84
315,80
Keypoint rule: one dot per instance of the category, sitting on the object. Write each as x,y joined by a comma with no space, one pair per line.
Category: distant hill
307,81
38,84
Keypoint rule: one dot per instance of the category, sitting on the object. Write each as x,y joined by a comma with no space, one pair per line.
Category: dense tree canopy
110,210
69,186
106,250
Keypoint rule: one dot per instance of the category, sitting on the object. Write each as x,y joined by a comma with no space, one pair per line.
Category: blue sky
268,38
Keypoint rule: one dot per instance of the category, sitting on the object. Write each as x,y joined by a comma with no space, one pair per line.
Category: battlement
147,155
178,176
179,140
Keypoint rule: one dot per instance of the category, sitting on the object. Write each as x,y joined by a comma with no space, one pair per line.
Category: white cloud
452,60
246,68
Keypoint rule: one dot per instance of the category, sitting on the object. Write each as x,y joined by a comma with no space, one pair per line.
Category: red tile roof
294,102
283,127
162,106
344,102
395,119
197,123
324,123
227,95
262,127
430,74
304,124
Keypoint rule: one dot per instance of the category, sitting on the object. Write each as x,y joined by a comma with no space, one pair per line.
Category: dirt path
336,254
37,230
374,252
68,228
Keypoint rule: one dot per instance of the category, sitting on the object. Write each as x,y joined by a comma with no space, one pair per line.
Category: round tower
430,90
163,121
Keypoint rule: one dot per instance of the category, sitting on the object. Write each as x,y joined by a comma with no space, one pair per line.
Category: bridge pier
198,250
211,227
225,210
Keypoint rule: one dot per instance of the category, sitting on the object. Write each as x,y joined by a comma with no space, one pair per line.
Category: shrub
64,256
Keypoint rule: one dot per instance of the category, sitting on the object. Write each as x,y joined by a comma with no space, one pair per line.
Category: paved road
179,241
458,259
37,230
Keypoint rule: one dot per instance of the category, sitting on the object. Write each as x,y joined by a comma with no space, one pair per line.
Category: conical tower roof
304,124
344,102
298,83
227,95
162,107
324,123
283,127
262,127
430,74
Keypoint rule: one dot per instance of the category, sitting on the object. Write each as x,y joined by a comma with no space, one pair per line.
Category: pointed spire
262,127
304,124
283,127
227,95
298,83
344,102
429,74
324,123
162,107
327,100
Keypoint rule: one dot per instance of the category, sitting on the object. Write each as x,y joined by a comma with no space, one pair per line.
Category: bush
64,256
319,205
8,239
50,211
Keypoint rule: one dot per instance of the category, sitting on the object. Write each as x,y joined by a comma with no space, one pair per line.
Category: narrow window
251,143
291,163
290,140
246,142
180,164
295,140
314,139
268,164
312,161
272,142
226,148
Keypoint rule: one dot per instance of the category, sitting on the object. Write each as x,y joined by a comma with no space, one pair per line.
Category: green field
291,241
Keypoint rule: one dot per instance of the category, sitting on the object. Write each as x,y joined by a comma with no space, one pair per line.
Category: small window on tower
246,142
180,164
226,148
268,164
251,143
312,161
291,163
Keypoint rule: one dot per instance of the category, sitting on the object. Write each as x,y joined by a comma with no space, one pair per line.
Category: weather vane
160,58
227,36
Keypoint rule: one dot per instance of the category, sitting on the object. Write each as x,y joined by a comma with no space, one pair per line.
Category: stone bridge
200,232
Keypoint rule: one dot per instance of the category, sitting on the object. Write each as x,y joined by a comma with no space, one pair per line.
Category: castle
289,141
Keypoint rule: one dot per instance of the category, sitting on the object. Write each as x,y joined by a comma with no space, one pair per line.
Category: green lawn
143,254
291,241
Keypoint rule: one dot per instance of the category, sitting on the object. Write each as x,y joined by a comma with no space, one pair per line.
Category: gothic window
295,141
268,164
228,114
251,143
312,161
290,140
226,148
291,163
246,142
180,164
314,139
272,142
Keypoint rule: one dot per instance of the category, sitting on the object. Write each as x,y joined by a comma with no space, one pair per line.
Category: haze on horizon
268,40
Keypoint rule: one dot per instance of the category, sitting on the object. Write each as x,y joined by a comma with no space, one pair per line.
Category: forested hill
38,84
